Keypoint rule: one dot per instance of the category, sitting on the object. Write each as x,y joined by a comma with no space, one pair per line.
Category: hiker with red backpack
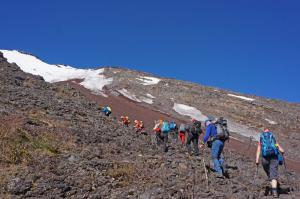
216,134
270,152
162,130
193,137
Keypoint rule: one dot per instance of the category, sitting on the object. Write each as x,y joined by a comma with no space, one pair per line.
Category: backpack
222,130
182,128
172,125
187,127
196,128
165,127
267,141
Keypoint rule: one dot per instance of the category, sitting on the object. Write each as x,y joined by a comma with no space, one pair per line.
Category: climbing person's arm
207,134
258,153
280,148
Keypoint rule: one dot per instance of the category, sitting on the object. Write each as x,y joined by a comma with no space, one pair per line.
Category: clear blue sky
249,46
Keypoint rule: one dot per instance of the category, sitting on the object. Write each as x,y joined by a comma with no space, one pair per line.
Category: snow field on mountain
271,121
146,81
232,126
92,79
241,97
133,97
192,112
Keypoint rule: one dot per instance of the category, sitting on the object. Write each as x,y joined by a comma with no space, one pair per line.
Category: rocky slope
56,144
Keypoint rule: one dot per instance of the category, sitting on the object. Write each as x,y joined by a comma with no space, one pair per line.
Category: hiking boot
275,193
220,175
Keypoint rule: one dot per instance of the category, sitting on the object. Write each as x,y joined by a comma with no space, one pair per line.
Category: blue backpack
268,147
165,127
172,125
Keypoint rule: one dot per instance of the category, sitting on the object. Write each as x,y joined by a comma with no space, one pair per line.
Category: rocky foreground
56,144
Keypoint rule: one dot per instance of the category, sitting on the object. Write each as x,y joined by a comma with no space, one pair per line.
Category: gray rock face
56,144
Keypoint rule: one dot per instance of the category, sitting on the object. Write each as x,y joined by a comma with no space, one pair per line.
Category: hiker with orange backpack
270,152
125,120
138,125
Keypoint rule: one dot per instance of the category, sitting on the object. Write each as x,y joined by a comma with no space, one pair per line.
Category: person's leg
180,136
195,143
188,143
165,142
158,138
215,154
266,166
274,175
220,157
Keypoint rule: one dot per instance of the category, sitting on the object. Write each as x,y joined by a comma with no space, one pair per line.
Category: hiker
138,125
269,150
125,120
216,134
182,131
106,110
173,131
193,137
165,129
157,130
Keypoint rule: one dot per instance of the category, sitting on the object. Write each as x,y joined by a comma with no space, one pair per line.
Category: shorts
270,165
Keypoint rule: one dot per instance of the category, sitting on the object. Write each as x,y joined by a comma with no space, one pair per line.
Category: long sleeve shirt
211,131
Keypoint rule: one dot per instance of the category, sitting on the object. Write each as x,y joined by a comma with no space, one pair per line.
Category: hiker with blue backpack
106,110
271,153
173,131
165,129
162,129
216,134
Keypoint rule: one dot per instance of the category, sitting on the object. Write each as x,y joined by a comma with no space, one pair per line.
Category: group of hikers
216,133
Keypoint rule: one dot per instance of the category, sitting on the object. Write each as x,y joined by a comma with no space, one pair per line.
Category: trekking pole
205,170
286,174
255,175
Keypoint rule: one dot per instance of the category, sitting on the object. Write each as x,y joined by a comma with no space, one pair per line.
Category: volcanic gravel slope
56,144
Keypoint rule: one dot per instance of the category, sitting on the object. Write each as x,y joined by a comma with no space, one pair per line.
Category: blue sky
249,46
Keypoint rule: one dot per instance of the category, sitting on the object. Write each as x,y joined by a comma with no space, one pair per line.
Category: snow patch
189,111
242,130
146,100
148,80
241,97
150,96
127,94
270,121
92,79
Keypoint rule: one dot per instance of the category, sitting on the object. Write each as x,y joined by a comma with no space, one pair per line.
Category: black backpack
196,128
222,129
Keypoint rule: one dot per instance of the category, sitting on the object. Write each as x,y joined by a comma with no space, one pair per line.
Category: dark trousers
162,138
192,138
270,165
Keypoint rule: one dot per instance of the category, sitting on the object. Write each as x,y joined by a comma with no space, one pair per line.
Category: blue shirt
211,131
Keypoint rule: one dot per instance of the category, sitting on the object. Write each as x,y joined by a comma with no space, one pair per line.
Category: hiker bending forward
193,136
160,136
217,146
269,150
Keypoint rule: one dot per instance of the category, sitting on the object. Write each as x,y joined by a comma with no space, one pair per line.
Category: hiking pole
205,170
286,174
255,175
